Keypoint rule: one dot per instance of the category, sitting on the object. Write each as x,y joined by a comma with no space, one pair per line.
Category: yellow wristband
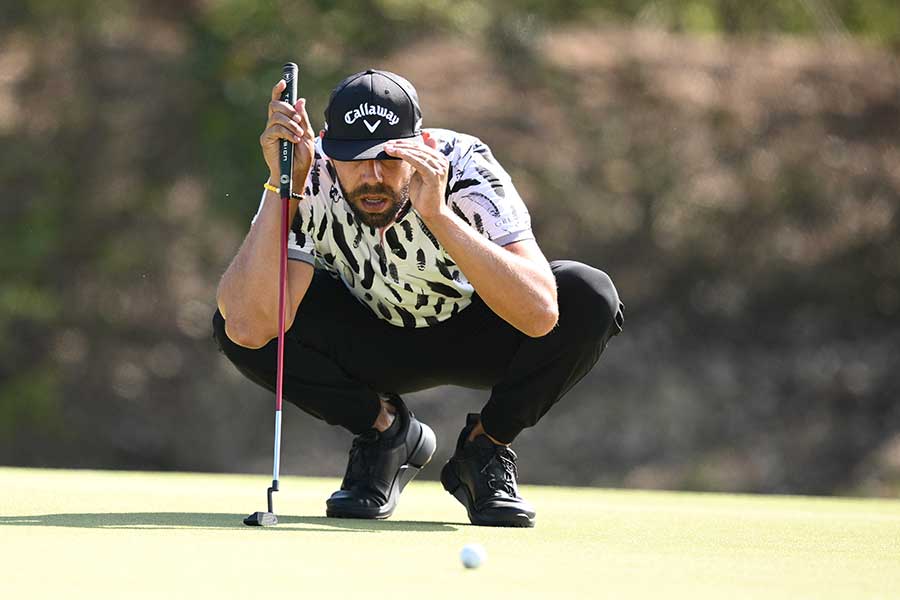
271,187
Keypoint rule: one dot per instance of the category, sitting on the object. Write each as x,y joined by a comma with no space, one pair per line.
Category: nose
372,170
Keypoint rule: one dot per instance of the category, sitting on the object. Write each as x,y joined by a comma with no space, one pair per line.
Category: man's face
375,189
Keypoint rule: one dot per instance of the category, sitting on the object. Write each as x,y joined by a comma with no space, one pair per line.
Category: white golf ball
472,555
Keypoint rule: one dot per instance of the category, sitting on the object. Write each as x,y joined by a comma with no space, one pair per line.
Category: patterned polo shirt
401,272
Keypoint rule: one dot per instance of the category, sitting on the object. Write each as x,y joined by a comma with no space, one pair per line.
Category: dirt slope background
741,190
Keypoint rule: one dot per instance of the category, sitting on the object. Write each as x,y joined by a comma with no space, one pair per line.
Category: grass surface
139,535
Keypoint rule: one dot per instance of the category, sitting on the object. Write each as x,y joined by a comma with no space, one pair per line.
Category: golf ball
472,555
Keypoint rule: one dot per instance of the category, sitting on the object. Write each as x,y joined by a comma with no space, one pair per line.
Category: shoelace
501,471
362,455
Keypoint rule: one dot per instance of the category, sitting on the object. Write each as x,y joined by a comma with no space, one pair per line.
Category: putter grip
290,71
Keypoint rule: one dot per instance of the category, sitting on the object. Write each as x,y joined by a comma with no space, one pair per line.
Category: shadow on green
175,520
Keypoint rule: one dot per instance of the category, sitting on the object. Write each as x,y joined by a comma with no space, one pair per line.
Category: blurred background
733,164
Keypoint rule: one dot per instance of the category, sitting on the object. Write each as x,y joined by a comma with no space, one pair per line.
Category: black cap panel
368,109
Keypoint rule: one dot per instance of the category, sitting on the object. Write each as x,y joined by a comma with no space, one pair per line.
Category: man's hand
290,123
515,281
427,185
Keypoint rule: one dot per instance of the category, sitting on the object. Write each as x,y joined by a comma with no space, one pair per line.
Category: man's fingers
432,161
296,113
403,153
419,163
422,148
303,117
289,123
279,87
416,156
421,160
278,132
282,107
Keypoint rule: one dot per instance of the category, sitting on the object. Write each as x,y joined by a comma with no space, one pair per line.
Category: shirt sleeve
300,243
482,194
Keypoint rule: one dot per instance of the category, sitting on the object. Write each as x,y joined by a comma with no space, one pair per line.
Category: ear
429,141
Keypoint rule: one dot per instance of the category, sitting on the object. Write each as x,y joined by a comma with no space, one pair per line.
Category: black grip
290,71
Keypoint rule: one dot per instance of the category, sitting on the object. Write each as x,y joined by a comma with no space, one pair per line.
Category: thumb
279,87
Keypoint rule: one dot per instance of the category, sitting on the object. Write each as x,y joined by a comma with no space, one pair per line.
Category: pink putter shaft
285,204
279,374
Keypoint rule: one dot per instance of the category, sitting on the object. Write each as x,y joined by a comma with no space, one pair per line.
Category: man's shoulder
455,145
449,135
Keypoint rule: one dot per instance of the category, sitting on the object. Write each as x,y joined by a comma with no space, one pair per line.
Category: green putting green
111,534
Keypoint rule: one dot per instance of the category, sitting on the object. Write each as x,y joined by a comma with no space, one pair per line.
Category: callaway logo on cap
367,110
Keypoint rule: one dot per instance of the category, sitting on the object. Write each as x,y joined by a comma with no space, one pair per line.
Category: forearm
520,290
248,291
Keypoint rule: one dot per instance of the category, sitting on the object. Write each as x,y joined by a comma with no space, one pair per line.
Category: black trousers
339,356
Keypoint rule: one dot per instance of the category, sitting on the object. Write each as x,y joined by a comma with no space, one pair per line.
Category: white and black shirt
400,271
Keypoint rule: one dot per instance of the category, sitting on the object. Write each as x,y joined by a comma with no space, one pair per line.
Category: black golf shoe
380,466
482,476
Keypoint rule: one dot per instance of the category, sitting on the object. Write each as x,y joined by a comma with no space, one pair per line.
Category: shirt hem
301,256
516,236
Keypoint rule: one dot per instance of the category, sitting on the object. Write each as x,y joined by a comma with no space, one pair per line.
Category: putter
290,72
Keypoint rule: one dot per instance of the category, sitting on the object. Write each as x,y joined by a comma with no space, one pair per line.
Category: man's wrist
442,218
269,186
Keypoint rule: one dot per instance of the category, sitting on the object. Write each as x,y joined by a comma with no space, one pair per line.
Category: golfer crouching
412,264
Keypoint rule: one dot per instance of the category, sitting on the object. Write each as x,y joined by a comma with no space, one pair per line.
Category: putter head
261,519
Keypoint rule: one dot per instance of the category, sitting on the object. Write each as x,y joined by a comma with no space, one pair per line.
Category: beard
394,200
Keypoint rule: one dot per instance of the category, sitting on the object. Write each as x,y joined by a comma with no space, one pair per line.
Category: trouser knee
589,304
218,327
240,356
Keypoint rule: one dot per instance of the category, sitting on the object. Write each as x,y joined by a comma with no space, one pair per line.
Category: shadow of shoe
176,520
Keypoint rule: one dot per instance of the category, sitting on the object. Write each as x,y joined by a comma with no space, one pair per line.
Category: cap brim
357,149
